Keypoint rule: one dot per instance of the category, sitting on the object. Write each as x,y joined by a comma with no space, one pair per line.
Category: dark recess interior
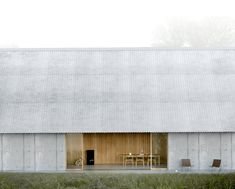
90,157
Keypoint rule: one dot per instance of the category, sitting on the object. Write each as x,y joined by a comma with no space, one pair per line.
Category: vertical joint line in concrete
198,156
2,150
56,150
231,150
23,152
220,145
34,151
187,146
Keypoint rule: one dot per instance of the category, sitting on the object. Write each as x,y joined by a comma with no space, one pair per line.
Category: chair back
140,156
129,156
216,163
186,163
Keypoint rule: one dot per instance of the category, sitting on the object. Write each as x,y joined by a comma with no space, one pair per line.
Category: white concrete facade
32,152
201,148
117,90
45,93
47,152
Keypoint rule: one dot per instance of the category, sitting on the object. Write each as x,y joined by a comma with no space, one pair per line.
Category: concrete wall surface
201,149
47,152
32,152
117,90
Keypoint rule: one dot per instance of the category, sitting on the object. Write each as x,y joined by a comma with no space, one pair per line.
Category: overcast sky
95,23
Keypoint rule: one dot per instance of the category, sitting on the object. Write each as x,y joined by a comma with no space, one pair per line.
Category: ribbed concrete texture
32,152
117,90
201,148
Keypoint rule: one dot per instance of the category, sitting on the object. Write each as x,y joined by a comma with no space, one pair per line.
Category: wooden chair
129,159
186,164
78,162
153,159
216,164
139,158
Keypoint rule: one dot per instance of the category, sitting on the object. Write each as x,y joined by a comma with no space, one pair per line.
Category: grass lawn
114,180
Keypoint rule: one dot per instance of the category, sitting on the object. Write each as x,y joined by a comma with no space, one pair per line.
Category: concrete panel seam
56,147
2,150
34,151
231,150
187,145
220,145
199,166
23,151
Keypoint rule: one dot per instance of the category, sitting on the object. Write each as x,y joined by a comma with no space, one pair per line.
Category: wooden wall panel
159,146
73,147
108,147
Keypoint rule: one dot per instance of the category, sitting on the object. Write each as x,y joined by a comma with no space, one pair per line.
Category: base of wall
201,149
32,152
47,152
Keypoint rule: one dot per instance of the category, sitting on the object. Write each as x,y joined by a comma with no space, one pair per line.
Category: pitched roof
117,90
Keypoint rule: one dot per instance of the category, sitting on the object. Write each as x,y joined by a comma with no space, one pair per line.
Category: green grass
114,180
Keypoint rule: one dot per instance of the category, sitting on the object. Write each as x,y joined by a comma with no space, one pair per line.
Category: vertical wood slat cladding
74,147
108,147
159,145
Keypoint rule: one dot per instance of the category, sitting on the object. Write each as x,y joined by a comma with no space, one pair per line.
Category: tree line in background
214,32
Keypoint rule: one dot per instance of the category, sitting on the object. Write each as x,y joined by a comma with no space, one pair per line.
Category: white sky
95,23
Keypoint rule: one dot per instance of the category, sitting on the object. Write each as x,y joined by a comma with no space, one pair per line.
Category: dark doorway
90,157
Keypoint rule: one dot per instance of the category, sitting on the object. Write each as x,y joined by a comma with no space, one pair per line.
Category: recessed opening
116,150
90,158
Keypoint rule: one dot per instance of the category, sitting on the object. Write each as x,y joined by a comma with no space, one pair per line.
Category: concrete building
59,105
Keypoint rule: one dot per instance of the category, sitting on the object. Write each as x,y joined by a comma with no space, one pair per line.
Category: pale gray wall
32,152
45,152
117,90
201,148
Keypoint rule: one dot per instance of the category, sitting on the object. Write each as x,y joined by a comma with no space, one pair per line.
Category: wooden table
126,155
146,156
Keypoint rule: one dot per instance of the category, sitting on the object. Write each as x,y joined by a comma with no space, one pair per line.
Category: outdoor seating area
140,159
216,164
186,164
